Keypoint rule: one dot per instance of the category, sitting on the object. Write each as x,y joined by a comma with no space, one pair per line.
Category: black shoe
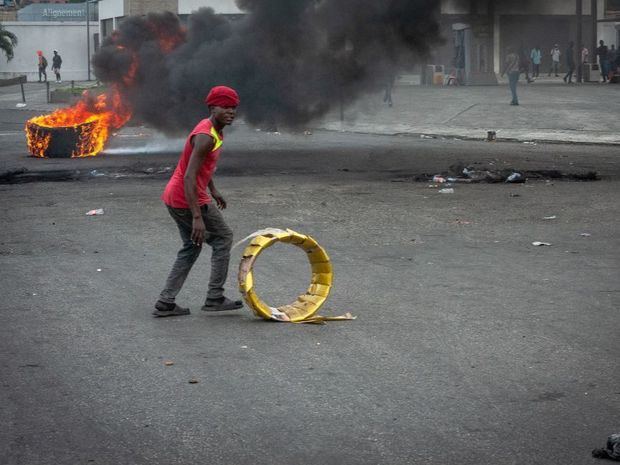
221,305
163,309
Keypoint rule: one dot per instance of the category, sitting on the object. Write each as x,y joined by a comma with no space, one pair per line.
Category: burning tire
78,131
62,141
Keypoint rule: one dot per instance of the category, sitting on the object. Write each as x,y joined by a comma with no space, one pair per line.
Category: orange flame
88,122
91,120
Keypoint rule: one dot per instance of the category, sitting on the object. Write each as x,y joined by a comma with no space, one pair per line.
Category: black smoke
290,61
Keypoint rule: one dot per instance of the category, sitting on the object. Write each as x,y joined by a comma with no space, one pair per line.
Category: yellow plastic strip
304,309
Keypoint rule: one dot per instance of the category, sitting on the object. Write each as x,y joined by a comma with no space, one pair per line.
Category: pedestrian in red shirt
197,214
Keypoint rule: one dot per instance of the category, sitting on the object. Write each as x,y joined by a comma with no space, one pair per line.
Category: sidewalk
550,111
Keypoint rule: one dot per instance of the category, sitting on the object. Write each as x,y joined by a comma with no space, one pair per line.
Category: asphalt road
471,345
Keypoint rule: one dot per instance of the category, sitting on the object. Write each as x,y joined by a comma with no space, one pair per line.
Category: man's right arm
202,147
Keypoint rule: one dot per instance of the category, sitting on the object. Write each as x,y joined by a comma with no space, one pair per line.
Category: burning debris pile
77,131
290,61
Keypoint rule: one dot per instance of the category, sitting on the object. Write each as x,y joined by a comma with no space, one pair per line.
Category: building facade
479,32
112,12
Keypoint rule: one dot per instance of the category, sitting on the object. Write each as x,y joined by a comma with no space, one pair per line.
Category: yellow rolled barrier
303,310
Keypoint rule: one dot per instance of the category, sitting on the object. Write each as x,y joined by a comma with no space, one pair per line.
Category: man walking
511,68
536,56
56,63
570,62
555,60
42,64
194,212
602,52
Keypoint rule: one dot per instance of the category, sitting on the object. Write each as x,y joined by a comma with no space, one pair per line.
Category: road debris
611,449
585,234
447,190
552,217
515,177
491,136
168,363
193,381
539,244
98,211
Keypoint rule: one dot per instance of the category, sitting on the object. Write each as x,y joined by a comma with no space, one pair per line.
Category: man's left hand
219,199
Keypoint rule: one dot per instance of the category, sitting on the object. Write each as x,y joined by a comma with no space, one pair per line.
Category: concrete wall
143,7
69,38
533,7
118,8
225,7
111,9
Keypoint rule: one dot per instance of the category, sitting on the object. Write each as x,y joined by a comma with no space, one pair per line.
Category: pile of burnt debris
480,173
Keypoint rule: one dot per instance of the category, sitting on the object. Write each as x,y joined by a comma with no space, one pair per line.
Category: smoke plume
290,61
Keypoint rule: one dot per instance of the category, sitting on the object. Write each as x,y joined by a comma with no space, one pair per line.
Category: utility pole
594,13
579,39
88,38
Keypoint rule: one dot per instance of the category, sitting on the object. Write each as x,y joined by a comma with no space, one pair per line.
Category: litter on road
538,243
447,190
98,211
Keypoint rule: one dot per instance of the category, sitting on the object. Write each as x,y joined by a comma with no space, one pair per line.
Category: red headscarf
39,52
222,96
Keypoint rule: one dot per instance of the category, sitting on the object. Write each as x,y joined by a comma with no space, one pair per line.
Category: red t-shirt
174,194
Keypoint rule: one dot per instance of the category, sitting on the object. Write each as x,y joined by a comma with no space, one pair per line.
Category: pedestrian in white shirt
555,60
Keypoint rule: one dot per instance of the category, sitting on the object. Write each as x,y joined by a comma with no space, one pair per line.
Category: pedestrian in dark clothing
535,56
42,65
511,68
196,213
570,62
389,85
56,63
524,63
602,53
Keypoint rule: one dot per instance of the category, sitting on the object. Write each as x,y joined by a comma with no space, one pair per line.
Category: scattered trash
98,211
96,173
515,177
193,381
448,190
439,179
491,136
21,105
98,269
538,243
611,450
244,347
529,142
168,363
585,234
463,222
552,217
515,195
424,136
307,133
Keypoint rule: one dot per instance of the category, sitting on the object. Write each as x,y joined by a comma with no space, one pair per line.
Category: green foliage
8,41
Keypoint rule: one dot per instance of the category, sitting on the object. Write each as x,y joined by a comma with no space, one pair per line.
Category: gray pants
219,236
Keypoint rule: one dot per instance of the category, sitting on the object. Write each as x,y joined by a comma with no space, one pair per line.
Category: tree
8,41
